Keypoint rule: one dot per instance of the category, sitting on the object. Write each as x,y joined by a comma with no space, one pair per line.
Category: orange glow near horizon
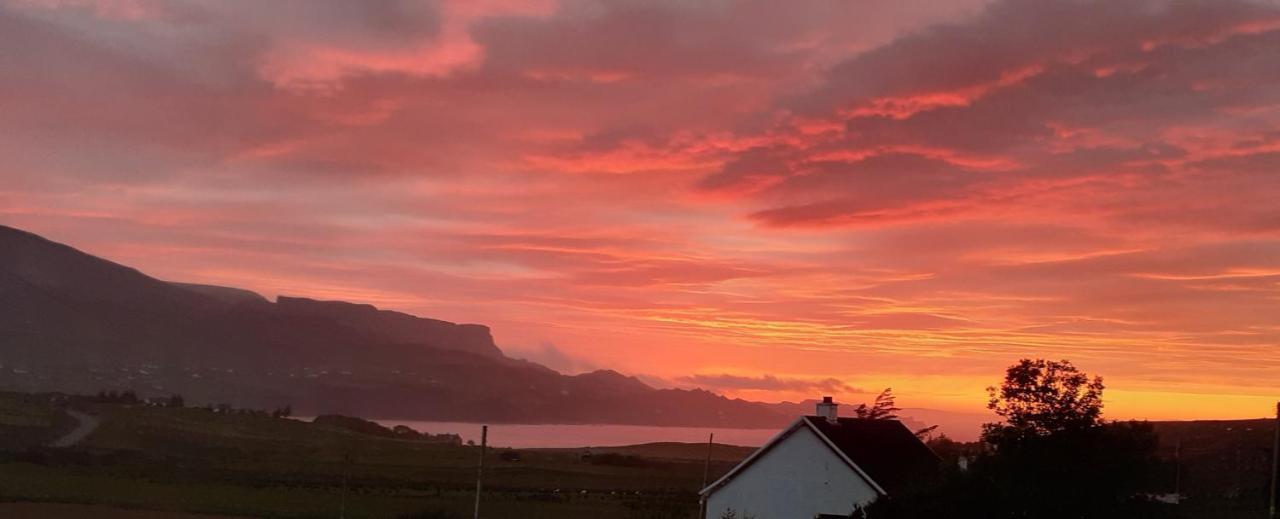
770,201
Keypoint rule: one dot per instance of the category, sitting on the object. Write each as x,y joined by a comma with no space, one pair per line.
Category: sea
564,436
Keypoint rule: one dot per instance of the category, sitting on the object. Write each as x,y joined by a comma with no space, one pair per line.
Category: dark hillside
73,322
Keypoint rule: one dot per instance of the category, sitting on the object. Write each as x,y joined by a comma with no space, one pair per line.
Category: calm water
526,436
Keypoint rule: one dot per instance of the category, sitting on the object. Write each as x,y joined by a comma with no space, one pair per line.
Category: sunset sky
773,200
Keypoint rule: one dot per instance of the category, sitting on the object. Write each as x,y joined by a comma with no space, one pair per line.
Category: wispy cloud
918,192
552,357
769,383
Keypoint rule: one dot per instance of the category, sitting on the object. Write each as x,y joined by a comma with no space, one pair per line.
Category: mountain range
73,322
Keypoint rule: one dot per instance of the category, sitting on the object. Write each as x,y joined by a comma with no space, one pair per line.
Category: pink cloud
910,195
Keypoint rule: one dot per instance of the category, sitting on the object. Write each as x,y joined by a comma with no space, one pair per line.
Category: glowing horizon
772,201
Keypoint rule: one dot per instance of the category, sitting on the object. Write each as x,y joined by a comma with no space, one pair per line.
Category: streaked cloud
914,192
769,383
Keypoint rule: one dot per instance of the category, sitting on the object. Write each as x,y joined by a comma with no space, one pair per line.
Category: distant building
822,466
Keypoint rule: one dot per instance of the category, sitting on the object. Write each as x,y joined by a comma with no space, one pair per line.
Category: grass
91,485
29,509
30,420
26,411
184,460
195,460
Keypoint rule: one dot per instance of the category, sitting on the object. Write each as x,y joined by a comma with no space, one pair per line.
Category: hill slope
72,322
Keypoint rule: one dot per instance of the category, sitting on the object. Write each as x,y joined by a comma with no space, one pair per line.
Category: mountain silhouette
73,322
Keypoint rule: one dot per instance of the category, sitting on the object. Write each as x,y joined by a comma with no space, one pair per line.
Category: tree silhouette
1052,457
1043,397
884,407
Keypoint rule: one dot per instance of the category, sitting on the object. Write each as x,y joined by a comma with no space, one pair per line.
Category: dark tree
1052,457
884,407
1043,397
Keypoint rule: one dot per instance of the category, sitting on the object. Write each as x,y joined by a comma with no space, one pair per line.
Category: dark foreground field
144,462
186,460
37,510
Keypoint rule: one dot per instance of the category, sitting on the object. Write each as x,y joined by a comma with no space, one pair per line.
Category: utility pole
706,473
706,468
1275,465
1177,470
484,442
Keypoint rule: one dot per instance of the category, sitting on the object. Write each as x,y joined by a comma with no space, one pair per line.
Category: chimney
827,409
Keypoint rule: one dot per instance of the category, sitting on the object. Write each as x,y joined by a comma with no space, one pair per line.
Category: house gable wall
798,478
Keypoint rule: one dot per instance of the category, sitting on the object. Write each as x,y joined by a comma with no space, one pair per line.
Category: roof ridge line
831,445
777,438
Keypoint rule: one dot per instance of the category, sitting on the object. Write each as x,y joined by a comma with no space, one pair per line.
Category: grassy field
33,510
198,461
30,420
168,462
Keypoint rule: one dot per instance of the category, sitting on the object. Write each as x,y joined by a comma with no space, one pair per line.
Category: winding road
87,423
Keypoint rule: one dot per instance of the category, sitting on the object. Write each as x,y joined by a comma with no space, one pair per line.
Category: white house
822,465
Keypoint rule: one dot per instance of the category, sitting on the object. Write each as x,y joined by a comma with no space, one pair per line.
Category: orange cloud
769,196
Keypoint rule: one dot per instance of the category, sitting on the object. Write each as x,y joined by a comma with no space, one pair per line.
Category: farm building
822,465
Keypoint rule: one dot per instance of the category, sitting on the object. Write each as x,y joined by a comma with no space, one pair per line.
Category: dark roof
888,452
882,451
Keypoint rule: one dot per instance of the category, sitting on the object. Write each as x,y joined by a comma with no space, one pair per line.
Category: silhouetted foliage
883,408
1052,458
1043,397
114,397
952,451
